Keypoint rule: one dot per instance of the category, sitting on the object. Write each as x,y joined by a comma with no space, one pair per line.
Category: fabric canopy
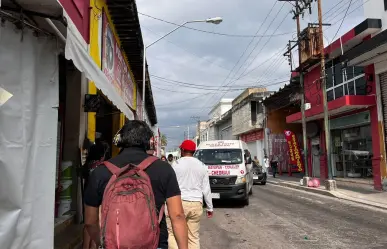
76,52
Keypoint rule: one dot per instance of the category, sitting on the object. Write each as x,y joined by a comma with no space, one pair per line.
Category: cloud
206,59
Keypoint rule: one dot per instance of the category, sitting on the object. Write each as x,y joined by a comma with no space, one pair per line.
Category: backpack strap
147,162
114,169
161,213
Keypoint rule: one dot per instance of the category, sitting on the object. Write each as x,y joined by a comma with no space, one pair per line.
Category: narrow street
279,217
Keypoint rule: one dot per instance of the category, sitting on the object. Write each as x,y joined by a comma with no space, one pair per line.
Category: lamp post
214,20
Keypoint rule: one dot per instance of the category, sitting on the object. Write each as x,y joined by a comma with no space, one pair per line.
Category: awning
367,52
335,107
75,51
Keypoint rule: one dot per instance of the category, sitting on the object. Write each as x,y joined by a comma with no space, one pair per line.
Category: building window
253,112
345,81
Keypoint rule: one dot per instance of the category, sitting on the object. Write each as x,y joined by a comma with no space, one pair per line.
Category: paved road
279,217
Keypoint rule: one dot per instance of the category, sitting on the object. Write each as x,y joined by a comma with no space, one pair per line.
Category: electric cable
210,32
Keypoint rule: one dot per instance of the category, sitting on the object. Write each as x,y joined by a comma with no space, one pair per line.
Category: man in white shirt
194,183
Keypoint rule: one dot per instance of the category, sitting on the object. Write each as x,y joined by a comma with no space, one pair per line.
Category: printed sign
220,170
223,166
252,136
114,65
220,144
294,150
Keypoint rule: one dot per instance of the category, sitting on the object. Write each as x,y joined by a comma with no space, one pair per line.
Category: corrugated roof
125,18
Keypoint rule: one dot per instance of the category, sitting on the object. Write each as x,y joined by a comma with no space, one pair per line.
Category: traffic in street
279,217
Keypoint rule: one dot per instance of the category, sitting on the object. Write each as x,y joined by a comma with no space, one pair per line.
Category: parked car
259,175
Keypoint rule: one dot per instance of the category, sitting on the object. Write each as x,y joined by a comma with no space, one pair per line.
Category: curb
313,190
330,194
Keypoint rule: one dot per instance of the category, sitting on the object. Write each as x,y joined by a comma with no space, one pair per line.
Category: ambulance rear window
219,156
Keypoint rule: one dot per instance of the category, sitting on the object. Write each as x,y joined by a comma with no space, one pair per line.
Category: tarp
28,135
76,52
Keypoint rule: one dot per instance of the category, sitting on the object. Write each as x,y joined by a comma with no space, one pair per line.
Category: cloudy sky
192,70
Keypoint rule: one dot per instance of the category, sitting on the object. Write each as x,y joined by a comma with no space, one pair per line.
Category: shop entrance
315,157
108,123
352,148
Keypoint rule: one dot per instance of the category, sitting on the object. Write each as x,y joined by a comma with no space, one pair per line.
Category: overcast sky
210,60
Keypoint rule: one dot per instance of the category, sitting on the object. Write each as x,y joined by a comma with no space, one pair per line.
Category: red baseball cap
188,145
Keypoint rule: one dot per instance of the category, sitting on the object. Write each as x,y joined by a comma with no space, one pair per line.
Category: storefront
254,141
352,146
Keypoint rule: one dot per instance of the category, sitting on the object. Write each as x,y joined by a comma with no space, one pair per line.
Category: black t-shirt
161,174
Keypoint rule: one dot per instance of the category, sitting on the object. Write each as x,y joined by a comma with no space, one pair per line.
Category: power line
208,93
241,56
251,41
210,32
188,51
259,41
342,21
215,90
171,81
259,51
338,12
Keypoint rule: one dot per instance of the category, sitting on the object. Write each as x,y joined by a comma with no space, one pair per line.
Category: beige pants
193,212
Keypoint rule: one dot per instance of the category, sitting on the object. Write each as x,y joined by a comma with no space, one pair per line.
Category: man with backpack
132,189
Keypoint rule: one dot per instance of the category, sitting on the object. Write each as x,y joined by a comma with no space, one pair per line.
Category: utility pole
198,130
299,10
331,184
301,75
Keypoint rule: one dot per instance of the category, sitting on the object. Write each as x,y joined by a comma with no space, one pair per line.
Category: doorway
316,157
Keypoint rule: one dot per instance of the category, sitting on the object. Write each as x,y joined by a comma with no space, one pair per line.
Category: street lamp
214,20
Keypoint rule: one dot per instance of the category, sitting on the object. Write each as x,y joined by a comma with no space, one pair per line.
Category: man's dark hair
135,133
170,155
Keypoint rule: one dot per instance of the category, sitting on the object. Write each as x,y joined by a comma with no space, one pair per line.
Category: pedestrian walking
274,166
128,220
170,159
194,183
255,161
163,158
98,152
266,162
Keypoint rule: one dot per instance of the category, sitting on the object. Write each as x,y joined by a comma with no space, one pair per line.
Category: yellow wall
95,42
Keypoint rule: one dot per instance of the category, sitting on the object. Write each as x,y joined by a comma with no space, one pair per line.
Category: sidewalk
348,190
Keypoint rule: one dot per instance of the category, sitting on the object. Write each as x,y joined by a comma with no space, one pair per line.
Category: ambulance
229,167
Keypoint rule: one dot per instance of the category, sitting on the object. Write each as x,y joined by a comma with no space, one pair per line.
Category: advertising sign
294,150
114,65
252,136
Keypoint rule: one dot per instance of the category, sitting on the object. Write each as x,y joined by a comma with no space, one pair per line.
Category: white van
229,167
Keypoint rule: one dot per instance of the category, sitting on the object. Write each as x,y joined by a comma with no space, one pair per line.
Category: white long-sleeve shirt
193,180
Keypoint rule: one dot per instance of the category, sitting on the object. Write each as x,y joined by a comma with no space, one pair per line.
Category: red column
310,168
376,159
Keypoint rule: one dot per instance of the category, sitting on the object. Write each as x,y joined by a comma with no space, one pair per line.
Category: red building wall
79,12
313,92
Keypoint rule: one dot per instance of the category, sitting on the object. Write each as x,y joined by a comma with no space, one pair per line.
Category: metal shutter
383,90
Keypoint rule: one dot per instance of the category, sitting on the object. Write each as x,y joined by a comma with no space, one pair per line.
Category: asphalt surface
279,217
